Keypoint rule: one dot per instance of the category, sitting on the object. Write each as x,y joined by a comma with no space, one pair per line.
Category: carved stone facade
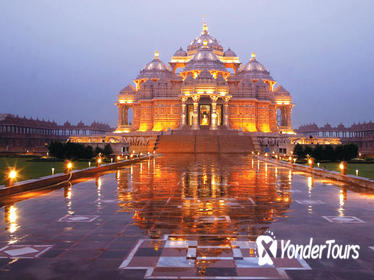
205,87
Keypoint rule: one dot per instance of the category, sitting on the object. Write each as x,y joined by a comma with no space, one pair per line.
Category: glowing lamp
99,161
311,162
356,172
343,167
68,167
12,174
11,178
118,158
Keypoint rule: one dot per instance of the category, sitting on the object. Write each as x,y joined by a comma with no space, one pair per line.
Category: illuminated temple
205,87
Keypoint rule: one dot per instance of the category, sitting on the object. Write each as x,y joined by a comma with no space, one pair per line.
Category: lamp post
99,161
11,178
343,167
311,162
68,167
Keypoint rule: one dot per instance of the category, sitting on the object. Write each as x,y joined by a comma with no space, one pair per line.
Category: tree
107,150
299,151
56,149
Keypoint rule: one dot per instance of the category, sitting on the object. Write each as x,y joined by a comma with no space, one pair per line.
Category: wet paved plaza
186,217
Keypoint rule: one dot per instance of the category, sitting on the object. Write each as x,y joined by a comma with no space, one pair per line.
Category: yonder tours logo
267,247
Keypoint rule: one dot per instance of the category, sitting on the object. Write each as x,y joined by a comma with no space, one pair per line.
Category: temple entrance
204,115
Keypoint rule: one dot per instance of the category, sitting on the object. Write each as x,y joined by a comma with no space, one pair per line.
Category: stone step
206,143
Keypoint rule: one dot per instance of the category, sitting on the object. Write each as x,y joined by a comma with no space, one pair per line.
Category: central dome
205,36
205,59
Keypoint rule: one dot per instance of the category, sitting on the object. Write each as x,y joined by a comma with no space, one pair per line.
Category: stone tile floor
185,217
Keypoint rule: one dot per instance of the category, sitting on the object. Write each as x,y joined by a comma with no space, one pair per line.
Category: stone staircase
205,141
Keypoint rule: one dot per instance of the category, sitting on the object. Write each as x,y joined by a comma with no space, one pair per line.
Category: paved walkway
186,217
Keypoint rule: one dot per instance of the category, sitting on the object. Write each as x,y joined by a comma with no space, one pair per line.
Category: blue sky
67,60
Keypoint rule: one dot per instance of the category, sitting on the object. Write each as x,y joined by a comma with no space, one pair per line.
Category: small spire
253,56
205,26
157,55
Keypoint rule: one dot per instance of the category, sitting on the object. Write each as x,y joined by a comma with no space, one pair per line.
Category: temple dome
253,66
155,69
229,53
180,52
254,69
198,41
281,91
205,59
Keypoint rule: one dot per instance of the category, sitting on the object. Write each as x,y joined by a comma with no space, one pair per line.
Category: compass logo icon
266,248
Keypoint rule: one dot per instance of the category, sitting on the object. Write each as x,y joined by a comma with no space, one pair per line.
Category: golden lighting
12,214
205,43
127,130
69,165
12,218
310,183
253,55
12,174
99,182
157,54
341,165
118,157
99,160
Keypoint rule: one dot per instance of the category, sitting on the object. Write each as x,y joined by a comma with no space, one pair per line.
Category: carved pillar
289,122
226,111
213,123
195,123
119,114
183,116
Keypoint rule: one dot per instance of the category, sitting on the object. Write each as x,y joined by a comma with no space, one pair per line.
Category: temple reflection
201,196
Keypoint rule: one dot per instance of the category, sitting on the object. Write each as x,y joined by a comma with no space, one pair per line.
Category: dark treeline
327,152
76,151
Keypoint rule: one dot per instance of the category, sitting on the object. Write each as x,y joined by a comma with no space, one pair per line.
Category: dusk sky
67,60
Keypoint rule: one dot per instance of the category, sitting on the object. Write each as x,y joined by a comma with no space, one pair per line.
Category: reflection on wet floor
184,216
